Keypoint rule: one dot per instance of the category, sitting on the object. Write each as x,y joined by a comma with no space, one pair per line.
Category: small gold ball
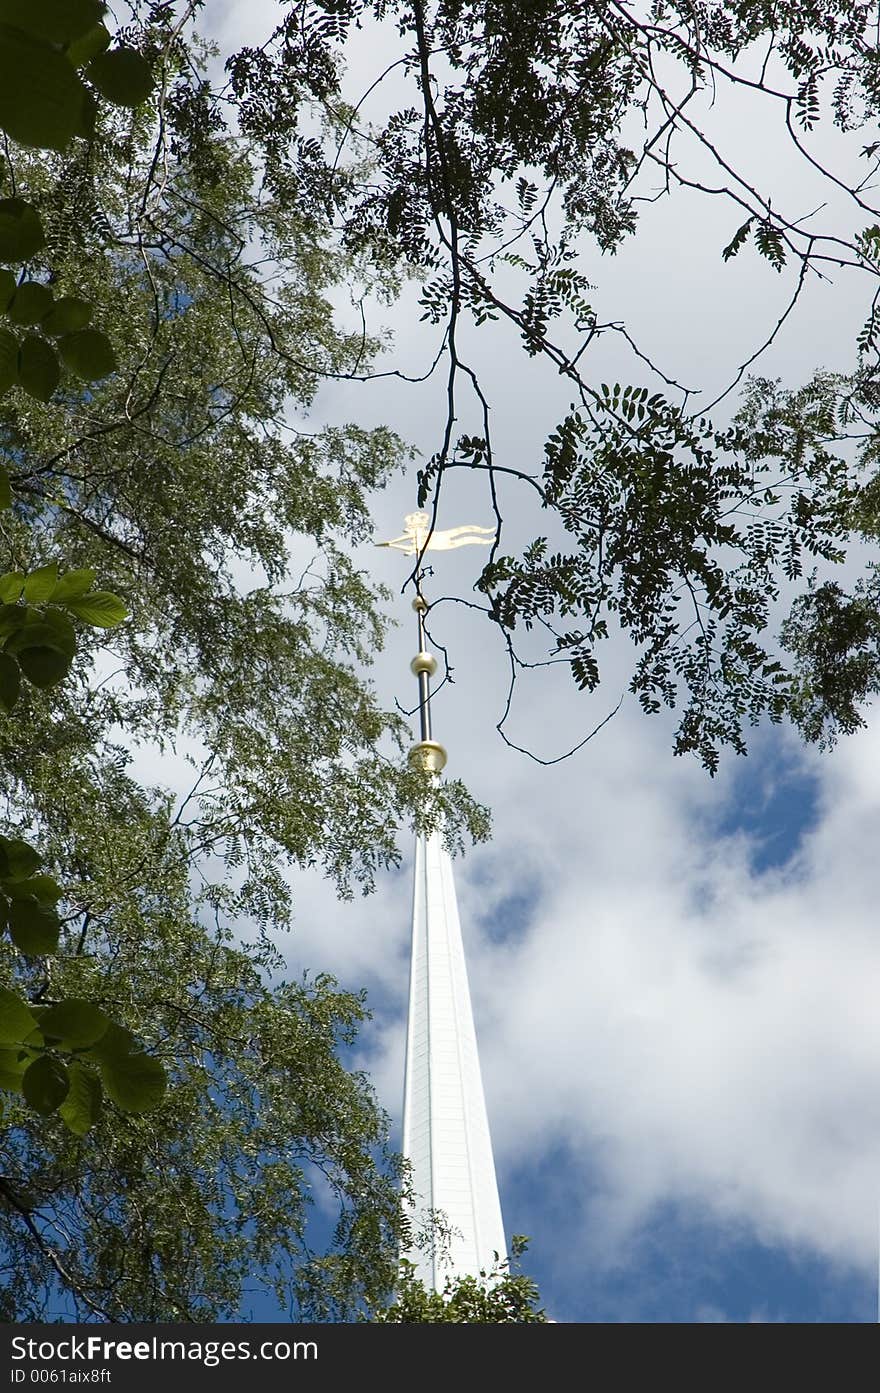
424,662
430,754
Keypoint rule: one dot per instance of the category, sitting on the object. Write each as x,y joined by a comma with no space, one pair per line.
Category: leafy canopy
502,1296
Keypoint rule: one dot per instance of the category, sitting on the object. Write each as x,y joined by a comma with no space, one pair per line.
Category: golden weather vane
418,537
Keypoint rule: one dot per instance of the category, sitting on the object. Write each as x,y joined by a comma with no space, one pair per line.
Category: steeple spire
446,1135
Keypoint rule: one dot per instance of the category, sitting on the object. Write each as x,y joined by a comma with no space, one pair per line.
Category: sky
675,979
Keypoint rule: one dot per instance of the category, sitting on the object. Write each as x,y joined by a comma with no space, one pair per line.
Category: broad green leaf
100,608
44,888
82,1106
18,860
116,1044
67,316
88,353
11,618
35,633
88,114
39,371
8,360
12,1066
63,631
135,1082
33,927
21,232
7,289
122,76
30,303
35,1040
5,490
11,586
43,665
10,681
57,21
39,584
88,45
16,1018
69,587
46,1084
75,1023
43,653
41,96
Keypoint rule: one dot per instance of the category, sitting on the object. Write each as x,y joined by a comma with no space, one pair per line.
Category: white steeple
445,1124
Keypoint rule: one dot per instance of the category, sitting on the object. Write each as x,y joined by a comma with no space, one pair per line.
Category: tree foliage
61,1055
203,1207
500,1297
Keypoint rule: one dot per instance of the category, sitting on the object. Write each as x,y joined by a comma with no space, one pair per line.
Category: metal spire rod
420,536
424,665
420,667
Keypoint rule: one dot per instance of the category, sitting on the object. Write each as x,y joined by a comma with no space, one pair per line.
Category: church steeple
446,1135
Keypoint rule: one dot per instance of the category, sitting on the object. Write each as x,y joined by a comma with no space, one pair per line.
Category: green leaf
768,240
18,860
135,1082
737,240
44,665
46,1084
44,653
121,75
88,115
67,316
8,285
116,1044
62,630
39,371
76,1023
11,586
30,303
8,360
12,1066
5,490
69,587
39,584
44,888
57,21
82,1106
88,353
17,1021
11,618
41,95
100,608
33,927
21,232
88,46
10,681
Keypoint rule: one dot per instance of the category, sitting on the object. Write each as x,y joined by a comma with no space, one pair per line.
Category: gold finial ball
420,604
424,662
430,754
